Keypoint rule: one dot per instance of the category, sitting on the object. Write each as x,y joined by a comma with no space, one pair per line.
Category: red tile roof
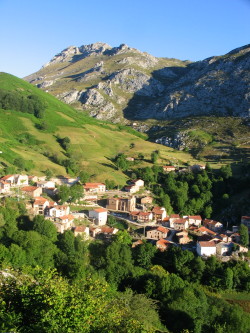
40,201
29,188
158,210
100,210
67,217
195,217
162,229
180,221
6,177
174,216
80,228
93,185
163,243
207,244
204,229
107,230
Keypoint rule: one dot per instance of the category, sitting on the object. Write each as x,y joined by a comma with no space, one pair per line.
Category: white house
82,230
131,188
159,213
138,182
57,211
180,224
4,186
168,168
95,187
213,225
224,249
194,220
64,223
99,215
22,180
46,184
206,248
40,205
9,179
172,218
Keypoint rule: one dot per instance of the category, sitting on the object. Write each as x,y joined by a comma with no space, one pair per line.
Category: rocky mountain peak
94,49
123,83
65,55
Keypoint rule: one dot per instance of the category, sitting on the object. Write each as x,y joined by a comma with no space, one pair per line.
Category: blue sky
33,31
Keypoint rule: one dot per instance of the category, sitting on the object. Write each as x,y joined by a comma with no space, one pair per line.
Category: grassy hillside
93,143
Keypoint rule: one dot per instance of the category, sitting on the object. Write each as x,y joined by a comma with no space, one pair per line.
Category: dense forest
210,193
54,282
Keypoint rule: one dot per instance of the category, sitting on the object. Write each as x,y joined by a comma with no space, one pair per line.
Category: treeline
16,101
110,286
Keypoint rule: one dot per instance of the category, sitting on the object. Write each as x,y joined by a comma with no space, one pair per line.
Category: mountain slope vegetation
33,143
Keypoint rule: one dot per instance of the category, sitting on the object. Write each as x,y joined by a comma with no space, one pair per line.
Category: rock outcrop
126,84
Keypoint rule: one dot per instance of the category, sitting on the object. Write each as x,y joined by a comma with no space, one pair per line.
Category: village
133,205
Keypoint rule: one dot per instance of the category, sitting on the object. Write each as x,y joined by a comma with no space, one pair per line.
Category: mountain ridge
122,84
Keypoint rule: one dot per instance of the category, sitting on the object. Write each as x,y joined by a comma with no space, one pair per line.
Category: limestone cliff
122,84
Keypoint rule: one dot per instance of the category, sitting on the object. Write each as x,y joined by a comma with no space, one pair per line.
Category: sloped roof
100,210
207,244
40,201
80,228
29,188
162,229
6,177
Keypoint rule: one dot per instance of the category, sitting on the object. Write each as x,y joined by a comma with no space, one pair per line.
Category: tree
76,192
110,184
229,275
165,199
226,171
121,162
45,227
154,156
48,174
244,236
84,177
143,255
63,193
140,156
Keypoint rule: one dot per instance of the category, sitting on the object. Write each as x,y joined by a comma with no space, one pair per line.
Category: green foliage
48,173
18,102
226,171
70,194
154,156
244,235
119,263
140,156
45,227
121,162
172,280
143,255
84,177
63,193
48,303
110,184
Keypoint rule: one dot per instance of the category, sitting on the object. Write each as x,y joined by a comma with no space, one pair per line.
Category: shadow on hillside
232,155
139,105
109,165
